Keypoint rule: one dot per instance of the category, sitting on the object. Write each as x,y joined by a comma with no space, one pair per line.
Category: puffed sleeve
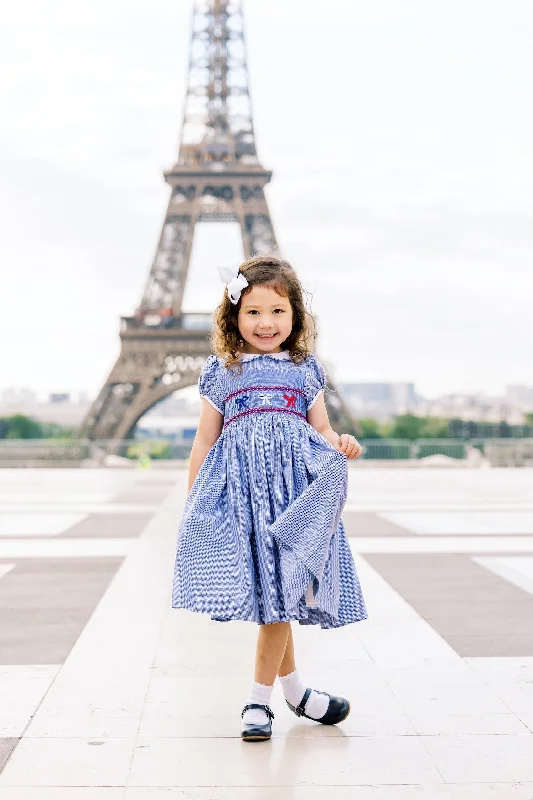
315,380
209,384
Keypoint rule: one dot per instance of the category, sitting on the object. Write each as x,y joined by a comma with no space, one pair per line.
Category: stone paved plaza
107,693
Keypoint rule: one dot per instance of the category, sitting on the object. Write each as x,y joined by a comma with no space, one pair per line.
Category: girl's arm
317,416
209,429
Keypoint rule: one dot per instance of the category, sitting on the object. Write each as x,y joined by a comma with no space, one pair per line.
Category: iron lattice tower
217,177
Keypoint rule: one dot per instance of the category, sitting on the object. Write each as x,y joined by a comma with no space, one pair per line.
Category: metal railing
491,452
36,452
474,452
82,452
505,452
404,449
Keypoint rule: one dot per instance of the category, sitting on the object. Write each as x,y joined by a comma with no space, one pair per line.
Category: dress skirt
261,537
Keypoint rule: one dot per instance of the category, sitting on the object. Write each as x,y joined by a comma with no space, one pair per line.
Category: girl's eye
255,311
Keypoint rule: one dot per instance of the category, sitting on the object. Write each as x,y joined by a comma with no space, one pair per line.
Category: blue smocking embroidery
242,402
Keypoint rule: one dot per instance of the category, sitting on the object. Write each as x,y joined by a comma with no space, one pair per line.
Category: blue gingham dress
261,536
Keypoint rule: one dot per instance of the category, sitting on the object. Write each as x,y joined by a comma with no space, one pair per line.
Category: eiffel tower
217,178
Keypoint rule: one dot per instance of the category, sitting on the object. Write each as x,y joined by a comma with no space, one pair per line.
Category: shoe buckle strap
268,711
300,708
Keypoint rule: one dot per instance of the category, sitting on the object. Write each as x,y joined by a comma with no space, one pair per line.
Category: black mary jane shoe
257,733
338,708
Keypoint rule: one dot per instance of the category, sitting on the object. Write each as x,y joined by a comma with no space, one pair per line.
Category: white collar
248,356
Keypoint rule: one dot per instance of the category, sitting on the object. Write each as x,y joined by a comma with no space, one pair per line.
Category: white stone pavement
147,704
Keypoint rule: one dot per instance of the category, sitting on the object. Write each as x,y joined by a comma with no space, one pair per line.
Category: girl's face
265,320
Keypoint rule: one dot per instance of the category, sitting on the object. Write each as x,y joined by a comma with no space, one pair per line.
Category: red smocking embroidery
290,399
260,411
262,388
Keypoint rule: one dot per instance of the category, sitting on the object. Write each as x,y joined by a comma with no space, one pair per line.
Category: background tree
52,430
370,428
435,428
21,427
407,426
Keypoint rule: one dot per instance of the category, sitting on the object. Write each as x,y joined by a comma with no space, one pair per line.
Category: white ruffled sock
293,689
259,693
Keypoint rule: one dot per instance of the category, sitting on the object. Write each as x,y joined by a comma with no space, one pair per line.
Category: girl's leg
271,645
271,648
292,685
288,664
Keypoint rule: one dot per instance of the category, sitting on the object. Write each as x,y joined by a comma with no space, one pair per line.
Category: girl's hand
317,417
349,445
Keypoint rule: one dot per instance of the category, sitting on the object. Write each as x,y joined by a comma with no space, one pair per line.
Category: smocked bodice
268,384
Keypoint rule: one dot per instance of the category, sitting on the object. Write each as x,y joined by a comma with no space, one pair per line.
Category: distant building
22,397
380,400
59,397
383,401
475,408
163,420
175,406
61,412
520,396
57,408
178,430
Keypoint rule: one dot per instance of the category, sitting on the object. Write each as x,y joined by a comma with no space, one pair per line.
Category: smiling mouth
266,335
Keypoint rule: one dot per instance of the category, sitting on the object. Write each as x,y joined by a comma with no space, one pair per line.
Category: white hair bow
235,282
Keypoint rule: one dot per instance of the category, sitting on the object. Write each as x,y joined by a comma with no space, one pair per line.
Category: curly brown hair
271,271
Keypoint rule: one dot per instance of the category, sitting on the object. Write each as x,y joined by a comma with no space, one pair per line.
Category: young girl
261,537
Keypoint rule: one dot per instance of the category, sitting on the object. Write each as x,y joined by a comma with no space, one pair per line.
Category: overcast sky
400,133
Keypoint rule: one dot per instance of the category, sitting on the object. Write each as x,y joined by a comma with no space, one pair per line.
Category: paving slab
143,702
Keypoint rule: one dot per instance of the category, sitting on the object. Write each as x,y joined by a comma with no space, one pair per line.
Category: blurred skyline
400,136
